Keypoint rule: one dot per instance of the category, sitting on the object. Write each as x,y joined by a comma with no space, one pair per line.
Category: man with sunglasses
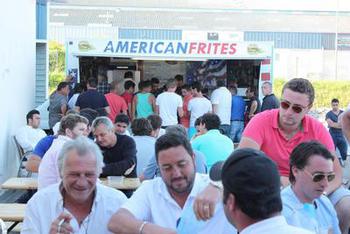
304,205
277,132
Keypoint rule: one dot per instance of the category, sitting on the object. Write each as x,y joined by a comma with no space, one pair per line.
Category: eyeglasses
318,176
296,108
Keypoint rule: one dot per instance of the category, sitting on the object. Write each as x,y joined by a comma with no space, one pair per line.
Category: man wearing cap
304,205
164,205
252,201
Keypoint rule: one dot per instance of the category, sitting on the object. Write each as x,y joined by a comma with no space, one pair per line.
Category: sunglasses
318,176
296,108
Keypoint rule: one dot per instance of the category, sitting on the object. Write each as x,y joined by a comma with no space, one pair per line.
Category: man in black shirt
119,151
269,101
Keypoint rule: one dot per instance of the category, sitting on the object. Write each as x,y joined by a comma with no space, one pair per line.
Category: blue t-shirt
43,145
330,115
237,108
317,217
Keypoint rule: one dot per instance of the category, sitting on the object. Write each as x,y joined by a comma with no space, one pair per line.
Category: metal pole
336,40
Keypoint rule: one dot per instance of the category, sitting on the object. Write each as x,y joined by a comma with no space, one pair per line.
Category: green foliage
325,91
56,64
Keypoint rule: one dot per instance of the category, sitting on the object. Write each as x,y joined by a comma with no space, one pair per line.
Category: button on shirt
152,203
47,204
274,225
324,215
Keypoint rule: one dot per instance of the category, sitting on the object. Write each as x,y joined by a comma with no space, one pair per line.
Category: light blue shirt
214,145
319,217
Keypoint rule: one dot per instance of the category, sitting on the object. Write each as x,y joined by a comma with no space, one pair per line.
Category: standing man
116,103
29,135
129,87
119,151
252,200
92,99
336,132
165,203
253,106
186,93
58,103
78,204
221,99
102,85
169,105
270,101
197,107
179,79
237,116
304,205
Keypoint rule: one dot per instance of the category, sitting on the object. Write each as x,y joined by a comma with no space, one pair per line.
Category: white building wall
17,75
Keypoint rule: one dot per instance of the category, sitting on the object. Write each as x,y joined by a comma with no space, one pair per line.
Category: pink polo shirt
263,129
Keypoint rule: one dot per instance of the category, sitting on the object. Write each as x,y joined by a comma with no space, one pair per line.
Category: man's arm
133,107
333,124
345,123
33,163
253,109
150,170
247,142
125,222
63,109
215,108
180,111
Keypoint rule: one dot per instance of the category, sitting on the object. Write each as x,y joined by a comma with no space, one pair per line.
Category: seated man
252,194
304,205
152,169
214,145
121,124
119,151
29,135
78,204
71,127
161,205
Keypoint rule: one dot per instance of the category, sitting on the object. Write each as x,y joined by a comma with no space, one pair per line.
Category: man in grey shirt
58,103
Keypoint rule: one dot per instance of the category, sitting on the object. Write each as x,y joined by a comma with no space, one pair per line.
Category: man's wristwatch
216,184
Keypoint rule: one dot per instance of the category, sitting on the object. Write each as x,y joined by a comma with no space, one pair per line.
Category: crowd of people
284,176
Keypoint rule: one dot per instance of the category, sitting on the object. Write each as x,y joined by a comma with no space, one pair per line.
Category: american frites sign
167,49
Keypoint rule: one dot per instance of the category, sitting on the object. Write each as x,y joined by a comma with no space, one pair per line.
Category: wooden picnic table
32,183
12,212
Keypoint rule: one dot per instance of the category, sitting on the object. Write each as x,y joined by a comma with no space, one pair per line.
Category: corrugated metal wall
151,34
41,83
295,40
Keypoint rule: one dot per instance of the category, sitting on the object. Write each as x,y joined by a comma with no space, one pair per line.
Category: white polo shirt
152,203
47,204
274,225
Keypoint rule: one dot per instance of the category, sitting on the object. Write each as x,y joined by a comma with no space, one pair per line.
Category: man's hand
204,205
61,225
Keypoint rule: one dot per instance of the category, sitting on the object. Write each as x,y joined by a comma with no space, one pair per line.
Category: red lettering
201,47
193,46
232,48
216,45
224,48
209,48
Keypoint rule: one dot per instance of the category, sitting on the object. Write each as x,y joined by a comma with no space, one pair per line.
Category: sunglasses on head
318,176
296,108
